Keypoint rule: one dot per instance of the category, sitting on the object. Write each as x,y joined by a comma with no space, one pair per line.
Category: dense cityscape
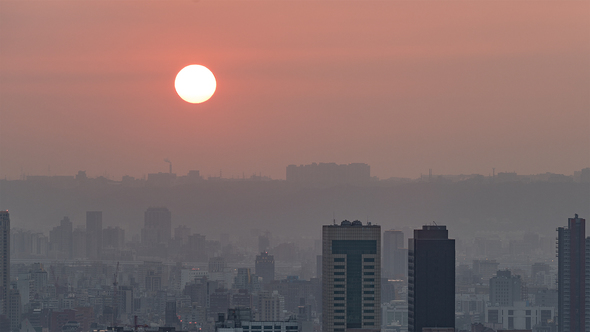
168,276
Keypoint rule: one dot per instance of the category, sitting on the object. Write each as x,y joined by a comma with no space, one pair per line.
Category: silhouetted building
351,276
265,267
329,173
93,234
395,257
572,247
60,239
157,226
5,266
431,279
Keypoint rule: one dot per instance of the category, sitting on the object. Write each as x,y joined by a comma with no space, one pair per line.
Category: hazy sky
456,86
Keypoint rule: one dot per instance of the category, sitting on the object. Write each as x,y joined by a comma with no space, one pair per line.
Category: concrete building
395,257
93,234
505,289
265,267
518,316
572,276
5,262
351,276
431,279
157,226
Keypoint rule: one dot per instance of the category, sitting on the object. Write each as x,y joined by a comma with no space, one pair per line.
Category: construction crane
115,304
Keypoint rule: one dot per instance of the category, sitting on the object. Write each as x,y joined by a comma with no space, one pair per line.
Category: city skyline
402,86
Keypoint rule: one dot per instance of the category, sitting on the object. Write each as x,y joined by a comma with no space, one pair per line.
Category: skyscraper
265,267
157,226
572,248
351,276
93,234
5,262
395,257
431,279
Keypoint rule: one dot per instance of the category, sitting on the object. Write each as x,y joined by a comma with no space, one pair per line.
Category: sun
195,84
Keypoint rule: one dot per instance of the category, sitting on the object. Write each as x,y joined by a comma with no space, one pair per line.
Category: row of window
342,259
366,311
364,273
342,267
343,279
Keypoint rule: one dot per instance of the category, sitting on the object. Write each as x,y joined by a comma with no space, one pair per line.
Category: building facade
395,257
505,289
351,276
157,226
572,276
5,262
431,279
265,267
93,234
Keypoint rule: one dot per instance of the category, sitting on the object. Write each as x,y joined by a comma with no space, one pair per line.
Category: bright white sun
195,84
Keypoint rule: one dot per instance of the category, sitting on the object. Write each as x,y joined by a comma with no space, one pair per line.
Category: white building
519,316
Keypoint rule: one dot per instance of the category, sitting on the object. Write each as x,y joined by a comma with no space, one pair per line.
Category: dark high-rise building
351,276
157,226
395,257
265,267
572,248
93,234
431,279
5,262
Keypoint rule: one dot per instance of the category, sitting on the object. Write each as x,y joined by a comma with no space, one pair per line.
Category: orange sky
456,86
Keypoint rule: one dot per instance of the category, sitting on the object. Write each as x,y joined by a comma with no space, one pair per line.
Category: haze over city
402,86
294,166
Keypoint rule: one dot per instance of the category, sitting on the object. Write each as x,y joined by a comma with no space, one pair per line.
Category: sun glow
195,84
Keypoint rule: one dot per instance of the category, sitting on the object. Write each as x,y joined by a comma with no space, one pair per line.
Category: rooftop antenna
434,222
334,217
169,162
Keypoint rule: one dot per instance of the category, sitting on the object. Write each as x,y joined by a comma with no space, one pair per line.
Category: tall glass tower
5,262
572,254
351,276
431,279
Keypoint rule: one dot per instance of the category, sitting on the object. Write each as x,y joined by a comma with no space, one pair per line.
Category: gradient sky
404,86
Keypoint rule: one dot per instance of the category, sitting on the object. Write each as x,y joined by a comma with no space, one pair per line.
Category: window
338,279
368,299
339,259
368,317
369,259
339,311
339,304
528,312
338,292
338,323
338,317
369,273
369,279
338,286
368,304
339,267
369,311
338,273
369,292
510,322
370,267
339,298
367,286
338,330
268,327
511,312
369,323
